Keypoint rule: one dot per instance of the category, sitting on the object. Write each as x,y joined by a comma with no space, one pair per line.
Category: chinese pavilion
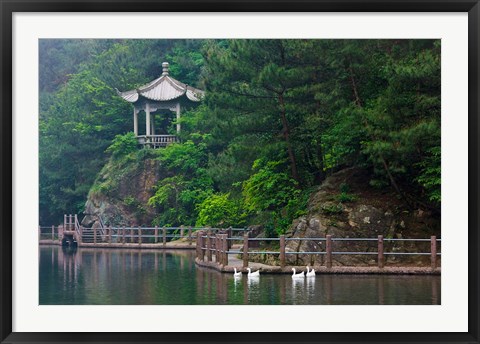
163,93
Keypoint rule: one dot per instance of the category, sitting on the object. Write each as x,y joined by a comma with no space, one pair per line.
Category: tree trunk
320,174
286,135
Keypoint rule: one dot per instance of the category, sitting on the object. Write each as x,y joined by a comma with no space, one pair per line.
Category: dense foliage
278,117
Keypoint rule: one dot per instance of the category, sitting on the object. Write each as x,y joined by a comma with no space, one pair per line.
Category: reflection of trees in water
379,289
435,295
108,276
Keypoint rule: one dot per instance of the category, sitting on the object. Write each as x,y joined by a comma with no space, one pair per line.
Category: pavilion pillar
153,125
135,121
147,114
178,118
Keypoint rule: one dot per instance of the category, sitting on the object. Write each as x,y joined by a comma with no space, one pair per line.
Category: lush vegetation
278,117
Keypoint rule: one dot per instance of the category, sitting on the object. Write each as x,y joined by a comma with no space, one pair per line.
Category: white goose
237,274
299,275
310,273
253,274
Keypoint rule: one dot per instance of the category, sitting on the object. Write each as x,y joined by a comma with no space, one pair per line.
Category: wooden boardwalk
319,270
178,244
216,251
222,250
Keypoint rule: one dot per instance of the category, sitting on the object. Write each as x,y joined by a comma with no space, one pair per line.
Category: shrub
130,201
218,210
122,145
269,188
332,209
345,197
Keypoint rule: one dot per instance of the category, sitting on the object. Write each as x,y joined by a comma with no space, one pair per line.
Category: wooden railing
157,141
50,233
147,235
217,245
116,236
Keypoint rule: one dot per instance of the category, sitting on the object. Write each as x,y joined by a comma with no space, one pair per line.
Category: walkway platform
319,270
168,245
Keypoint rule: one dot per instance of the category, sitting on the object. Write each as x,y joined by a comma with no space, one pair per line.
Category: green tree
218,210
177,197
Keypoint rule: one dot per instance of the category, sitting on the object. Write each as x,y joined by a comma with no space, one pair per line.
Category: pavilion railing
157,141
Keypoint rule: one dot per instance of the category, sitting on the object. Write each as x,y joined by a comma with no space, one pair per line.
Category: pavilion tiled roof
164,88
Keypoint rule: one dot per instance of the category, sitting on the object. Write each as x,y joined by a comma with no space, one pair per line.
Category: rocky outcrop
345,206
121,192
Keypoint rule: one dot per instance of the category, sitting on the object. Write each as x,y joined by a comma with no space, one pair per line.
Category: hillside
277,121
344,206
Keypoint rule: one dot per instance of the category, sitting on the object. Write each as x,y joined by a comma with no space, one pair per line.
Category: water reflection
297,291
310,288
109,276
237,280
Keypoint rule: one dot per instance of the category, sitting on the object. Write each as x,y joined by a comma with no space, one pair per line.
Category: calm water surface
147,277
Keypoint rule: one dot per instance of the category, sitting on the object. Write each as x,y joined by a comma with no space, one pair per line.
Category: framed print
208,171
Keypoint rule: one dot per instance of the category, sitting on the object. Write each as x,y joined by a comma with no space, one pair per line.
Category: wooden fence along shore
214,250
226,249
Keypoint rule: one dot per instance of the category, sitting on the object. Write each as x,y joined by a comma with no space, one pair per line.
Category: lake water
164,277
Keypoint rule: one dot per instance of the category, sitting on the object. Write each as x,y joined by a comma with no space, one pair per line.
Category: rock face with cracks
121,192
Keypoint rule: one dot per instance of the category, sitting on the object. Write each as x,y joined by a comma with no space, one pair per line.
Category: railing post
80,238
282,251
164,232
182,232
209,246
229,235
132,240
189,235
156,234
123,234
94,235
75,223
197,245
329,251
380,252
245,250
71,221
139,235
225,249
217,248
220,249
433,250
53,233
64,220
109,232
201,234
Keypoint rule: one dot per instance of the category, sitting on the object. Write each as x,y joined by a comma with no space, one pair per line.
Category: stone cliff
121,192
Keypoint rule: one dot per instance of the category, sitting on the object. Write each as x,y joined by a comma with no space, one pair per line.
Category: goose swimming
295,275
253,274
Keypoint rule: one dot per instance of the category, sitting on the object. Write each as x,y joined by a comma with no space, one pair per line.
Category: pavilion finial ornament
165,68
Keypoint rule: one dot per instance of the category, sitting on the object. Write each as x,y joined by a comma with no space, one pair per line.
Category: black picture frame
9,7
